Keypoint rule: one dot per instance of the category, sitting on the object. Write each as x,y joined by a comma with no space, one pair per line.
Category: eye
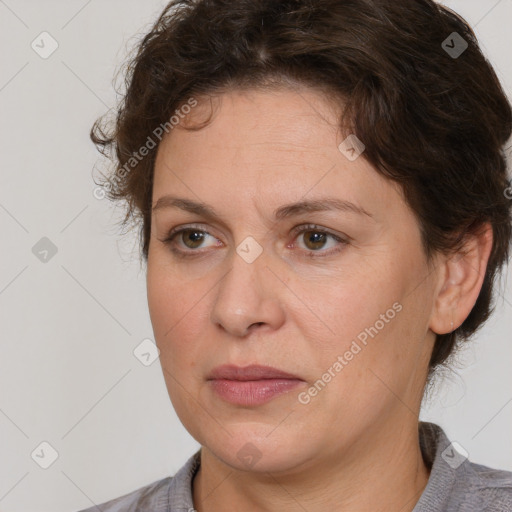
314,239
189,239
311,239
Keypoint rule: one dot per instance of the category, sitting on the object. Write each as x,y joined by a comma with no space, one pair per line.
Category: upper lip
251,372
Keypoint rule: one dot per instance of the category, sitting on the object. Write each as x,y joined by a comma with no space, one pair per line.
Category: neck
383,470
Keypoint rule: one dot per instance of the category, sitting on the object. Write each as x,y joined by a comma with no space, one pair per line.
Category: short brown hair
432,121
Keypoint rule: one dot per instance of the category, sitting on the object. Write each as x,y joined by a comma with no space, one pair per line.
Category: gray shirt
455,484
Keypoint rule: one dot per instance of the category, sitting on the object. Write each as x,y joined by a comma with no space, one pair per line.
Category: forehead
263,143
251,129
283,117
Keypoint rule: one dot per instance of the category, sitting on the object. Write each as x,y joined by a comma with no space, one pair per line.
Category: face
270,246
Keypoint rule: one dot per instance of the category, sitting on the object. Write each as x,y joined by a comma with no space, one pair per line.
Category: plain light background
68,375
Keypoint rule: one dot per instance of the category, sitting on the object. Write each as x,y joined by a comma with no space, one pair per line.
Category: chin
254,450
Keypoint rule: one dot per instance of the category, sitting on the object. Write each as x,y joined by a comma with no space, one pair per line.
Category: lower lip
252,392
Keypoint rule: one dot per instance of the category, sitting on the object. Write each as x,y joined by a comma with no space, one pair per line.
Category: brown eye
191,241
314,240
192,238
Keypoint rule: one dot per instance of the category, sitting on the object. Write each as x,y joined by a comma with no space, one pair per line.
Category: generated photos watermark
143,151
355,348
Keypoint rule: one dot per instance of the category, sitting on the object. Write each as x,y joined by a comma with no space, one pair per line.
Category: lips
252,372
251,386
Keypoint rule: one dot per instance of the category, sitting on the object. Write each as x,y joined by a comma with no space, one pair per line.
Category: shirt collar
433,444
180,489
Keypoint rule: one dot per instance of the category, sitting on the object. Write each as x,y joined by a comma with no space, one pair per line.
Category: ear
460,280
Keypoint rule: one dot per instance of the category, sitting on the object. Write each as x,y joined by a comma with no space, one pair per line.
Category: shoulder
489,488
152,497
170,494
456,483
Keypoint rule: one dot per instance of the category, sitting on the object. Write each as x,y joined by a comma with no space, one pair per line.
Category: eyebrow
286,211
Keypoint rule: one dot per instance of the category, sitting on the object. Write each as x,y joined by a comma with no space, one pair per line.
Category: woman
321,187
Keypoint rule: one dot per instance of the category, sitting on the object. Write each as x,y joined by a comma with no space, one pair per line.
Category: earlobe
461,280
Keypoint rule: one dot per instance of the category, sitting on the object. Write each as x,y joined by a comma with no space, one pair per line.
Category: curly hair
433,120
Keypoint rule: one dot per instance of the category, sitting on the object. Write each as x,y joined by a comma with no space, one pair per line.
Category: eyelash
296,232
317,229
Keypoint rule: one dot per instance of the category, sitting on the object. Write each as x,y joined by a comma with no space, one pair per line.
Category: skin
297,307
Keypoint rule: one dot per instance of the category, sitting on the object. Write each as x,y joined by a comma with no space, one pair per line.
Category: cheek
342,305
369,315
178,309
176,312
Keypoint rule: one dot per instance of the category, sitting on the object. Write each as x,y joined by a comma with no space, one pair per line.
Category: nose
248,298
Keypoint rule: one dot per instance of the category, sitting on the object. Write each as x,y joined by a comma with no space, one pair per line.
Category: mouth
251,385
